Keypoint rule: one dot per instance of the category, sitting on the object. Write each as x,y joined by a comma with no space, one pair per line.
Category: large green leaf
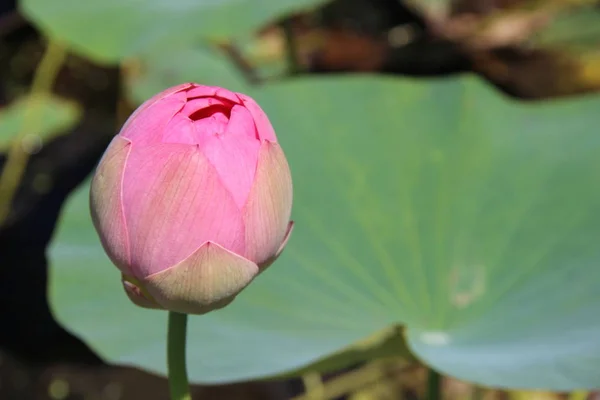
110,30
472,220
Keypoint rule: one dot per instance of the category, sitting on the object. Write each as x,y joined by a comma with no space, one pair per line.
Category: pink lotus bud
192,199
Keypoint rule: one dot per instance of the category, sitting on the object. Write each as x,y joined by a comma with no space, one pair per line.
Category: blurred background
71,73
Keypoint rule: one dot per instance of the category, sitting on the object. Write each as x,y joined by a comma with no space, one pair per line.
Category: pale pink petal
235,154
208,279
149,125
263,125
268,210
212,91
175,201
288,233
106,206
286,238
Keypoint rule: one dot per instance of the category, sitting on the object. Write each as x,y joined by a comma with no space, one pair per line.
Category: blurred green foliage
113,30
56,115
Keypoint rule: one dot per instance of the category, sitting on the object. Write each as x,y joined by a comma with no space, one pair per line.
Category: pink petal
241,123
209,127
194,105
165,93
269,206
212,91
149,125
234,154
106,206
174,201
198,120
208,279
263,125
180,129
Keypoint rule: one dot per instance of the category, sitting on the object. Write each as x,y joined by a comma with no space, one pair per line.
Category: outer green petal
137,293
207,280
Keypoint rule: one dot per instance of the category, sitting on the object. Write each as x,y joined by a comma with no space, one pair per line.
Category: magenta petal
106,206
263,125
149,125
234,156
197,104
241,123
165,93
209,127
174,199
180,130
212,91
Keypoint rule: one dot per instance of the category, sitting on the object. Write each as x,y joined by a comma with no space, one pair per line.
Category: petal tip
284,243
207,280
137,294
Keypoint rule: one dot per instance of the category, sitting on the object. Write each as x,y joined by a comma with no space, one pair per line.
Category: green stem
178,380
434,385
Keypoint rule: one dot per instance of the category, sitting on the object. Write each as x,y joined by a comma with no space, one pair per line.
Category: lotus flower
192,199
